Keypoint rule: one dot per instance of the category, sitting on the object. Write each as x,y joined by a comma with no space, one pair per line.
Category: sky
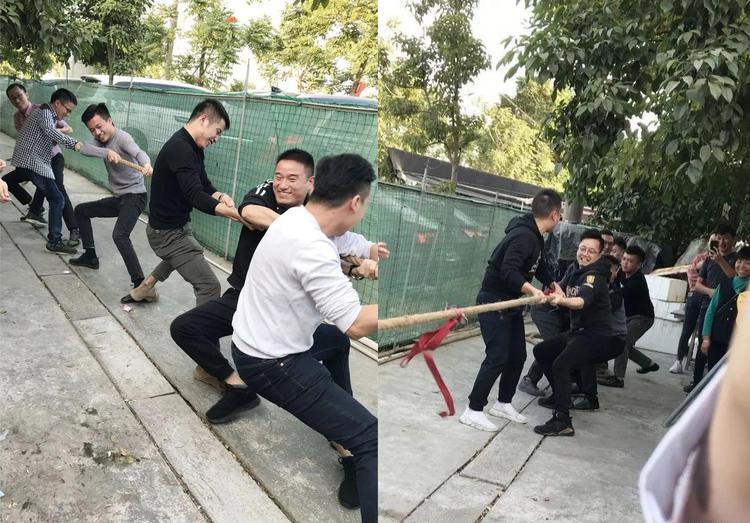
494,20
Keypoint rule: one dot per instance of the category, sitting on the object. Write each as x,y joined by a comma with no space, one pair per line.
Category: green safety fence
439,249
262,126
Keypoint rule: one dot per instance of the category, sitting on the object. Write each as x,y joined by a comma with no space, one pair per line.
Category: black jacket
726,313
516,260
636,295
592,284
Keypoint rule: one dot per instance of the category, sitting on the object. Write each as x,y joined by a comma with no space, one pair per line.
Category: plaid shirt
34,144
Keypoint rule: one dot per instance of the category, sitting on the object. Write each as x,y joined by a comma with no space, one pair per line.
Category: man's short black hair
593,234
620,242
545,202
14,85
93,110
724,229
606,232
214,109
339,178
634,250
64,96
299,156
744,253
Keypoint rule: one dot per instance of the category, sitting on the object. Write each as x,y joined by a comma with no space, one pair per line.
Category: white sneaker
506,410
477,419
676,367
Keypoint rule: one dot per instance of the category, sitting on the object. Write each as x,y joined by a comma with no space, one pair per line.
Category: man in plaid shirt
33,153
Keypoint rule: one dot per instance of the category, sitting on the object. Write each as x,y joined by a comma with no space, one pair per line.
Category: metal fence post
237,158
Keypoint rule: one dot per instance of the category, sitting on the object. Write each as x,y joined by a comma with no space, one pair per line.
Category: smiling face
208,131
742,267
291,183
589,250
100,128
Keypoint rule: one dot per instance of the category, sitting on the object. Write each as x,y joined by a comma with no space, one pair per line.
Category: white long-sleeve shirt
295,282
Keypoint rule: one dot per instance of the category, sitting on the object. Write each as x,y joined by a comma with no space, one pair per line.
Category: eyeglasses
584,250
68,110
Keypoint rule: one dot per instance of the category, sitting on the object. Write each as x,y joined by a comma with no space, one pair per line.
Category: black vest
726,313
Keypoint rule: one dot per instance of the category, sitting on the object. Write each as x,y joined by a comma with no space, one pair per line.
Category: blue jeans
299,384
54,196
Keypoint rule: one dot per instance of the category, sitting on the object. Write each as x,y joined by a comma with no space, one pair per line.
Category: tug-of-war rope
429,341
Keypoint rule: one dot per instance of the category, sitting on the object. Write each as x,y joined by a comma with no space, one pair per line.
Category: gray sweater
122,179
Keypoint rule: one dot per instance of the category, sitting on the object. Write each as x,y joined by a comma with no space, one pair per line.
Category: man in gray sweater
129,200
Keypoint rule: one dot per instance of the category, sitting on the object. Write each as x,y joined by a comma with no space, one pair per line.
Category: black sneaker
231,403
60,248
586,404
529,387
558,425
547,403
651,368
348,492
74,239
611,381
34,219
92,262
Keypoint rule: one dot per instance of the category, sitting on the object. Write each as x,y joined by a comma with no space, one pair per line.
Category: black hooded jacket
592,284
516,260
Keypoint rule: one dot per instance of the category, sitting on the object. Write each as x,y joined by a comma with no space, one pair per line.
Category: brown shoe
201,375
140,294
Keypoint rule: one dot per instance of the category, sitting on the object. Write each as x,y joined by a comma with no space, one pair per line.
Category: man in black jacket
640,313
512,266
180,183
585,292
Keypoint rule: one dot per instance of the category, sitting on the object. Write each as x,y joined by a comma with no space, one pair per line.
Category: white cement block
663,310
661,337
666,289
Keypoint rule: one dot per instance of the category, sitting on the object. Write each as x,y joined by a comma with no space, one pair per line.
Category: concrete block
214,477
459,499
31,243
74,297
663,310
663,336
666,289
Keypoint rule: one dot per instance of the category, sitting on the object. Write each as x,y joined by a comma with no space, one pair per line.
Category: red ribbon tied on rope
429,341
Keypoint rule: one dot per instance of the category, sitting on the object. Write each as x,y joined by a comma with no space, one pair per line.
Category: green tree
215,41
684,61
326,46
35,34
439,65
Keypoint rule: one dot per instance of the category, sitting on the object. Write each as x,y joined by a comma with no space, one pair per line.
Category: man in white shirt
297,283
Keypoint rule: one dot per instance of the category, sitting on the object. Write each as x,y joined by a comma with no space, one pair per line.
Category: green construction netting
439,249
261,128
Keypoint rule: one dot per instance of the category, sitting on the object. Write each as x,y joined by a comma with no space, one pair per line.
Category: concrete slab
74,297
128,367
217,481
71,449
459,499
31,243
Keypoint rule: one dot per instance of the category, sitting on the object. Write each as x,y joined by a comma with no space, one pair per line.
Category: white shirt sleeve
352,244
319,272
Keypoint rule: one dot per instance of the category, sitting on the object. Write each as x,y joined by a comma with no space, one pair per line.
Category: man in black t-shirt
719,267
178,185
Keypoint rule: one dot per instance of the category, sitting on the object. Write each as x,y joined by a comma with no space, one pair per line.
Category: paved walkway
101,419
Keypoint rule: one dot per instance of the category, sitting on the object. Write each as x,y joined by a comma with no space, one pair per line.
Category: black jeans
715,352
505,353
14,180
550,322
587,382
692,311
303,387
198,331
700,359
126,208
49,189
562,354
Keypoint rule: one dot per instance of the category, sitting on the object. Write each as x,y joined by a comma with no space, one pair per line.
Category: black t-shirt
713,275
261,195
636,295
179,183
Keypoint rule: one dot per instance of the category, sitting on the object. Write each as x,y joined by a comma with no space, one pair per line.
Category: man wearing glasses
33,155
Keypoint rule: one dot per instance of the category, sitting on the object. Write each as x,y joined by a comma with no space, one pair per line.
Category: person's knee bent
181,328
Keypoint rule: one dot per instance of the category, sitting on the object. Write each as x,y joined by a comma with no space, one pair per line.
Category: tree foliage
685,61
437,66
327,46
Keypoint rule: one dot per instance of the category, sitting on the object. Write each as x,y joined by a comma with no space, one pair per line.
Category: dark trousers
14,178
701,359
716,351
550,322
692,311
505,354
56,202
198,331
303,387
566,352
587,381
126,208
